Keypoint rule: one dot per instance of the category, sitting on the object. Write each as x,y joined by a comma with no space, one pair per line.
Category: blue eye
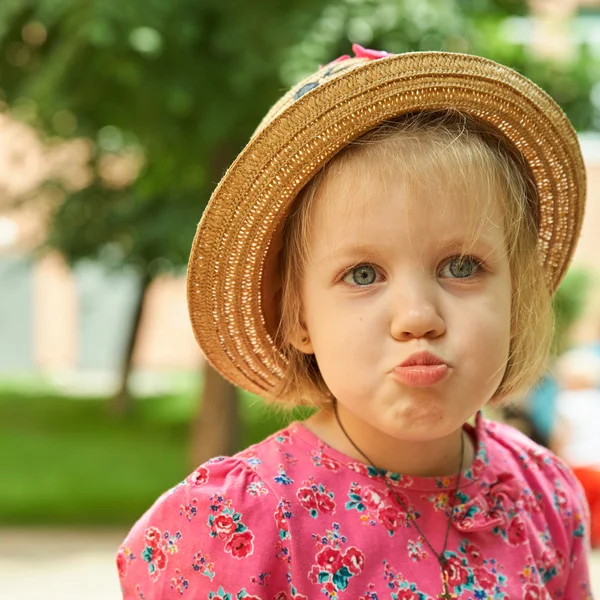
361,275
461,267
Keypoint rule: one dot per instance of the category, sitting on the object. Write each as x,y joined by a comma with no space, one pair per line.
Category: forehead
364,188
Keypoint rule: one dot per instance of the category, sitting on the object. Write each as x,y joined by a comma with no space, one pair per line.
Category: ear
301,340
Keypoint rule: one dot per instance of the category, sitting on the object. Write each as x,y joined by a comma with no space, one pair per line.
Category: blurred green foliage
569,303
182,83
65,461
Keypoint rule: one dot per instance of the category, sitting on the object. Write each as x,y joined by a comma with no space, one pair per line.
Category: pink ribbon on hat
360,52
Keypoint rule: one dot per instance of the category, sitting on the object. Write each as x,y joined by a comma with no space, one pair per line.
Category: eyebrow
365,251
481,243
348,252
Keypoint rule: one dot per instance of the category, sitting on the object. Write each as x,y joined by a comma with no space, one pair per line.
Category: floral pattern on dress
316,498
189,510
179,582
257,488
335,565
226,524
282,477
157,548
223,595
279,522
199,477
467,569
202,564
320,459
124,558
283,514
381,506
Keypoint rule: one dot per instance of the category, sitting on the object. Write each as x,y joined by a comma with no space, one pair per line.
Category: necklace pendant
446,595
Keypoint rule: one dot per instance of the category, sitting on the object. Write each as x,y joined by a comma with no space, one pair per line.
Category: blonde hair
459,145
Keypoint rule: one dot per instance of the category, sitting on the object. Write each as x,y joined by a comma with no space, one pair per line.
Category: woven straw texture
237,235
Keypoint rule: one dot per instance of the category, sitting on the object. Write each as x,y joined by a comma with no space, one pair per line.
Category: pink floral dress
292,518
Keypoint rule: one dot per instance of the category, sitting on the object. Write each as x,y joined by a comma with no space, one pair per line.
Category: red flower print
533,591
532,504
284,596
281,519
485,579
391,518
121,563
392,498
404,481
516,532
358,468
407,595
330,559
371,498
240,545
561,499
361,52
476,467
313,574
560,560
354,560
159,558
224,526
473,554
330,588
199,476
457,574
307,498
283,437
325,502
547,560
153,537
329,463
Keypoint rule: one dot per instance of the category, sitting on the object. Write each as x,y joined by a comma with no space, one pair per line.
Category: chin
419,422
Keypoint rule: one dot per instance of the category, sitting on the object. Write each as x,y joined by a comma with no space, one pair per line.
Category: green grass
67,461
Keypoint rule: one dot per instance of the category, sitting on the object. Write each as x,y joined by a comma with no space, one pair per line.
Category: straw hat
233,284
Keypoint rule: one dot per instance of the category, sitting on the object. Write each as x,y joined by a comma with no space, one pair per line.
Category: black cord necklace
441,557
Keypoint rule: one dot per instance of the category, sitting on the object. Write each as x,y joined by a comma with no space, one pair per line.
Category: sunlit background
116,121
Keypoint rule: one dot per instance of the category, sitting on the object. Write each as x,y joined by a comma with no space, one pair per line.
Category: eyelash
480,268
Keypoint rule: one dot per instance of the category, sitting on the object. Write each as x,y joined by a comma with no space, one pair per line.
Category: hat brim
234,242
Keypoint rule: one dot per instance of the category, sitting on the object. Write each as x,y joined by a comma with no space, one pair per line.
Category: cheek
495,342
341,338
485,325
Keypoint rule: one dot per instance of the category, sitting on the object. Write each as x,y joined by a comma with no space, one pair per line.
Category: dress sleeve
215,535
573,506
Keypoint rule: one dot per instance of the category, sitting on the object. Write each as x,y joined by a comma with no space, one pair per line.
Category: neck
419,458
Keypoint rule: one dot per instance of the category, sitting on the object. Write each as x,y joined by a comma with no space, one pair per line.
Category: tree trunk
215,428
121,404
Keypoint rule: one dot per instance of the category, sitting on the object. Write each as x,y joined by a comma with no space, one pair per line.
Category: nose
415,311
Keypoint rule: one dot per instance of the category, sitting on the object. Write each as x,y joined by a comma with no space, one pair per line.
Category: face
394,270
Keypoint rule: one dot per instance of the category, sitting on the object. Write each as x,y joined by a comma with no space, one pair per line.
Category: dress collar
324,455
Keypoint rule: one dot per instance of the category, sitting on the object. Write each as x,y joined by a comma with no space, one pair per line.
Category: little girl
385,250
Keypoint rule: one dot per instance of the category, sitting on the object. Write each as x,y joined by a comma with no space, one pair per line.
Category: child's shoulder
221,508
507,440
229,480
514,447
545,472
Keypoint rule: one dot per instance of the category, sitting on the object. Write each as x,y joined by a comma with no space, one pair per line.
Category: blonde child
384,249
